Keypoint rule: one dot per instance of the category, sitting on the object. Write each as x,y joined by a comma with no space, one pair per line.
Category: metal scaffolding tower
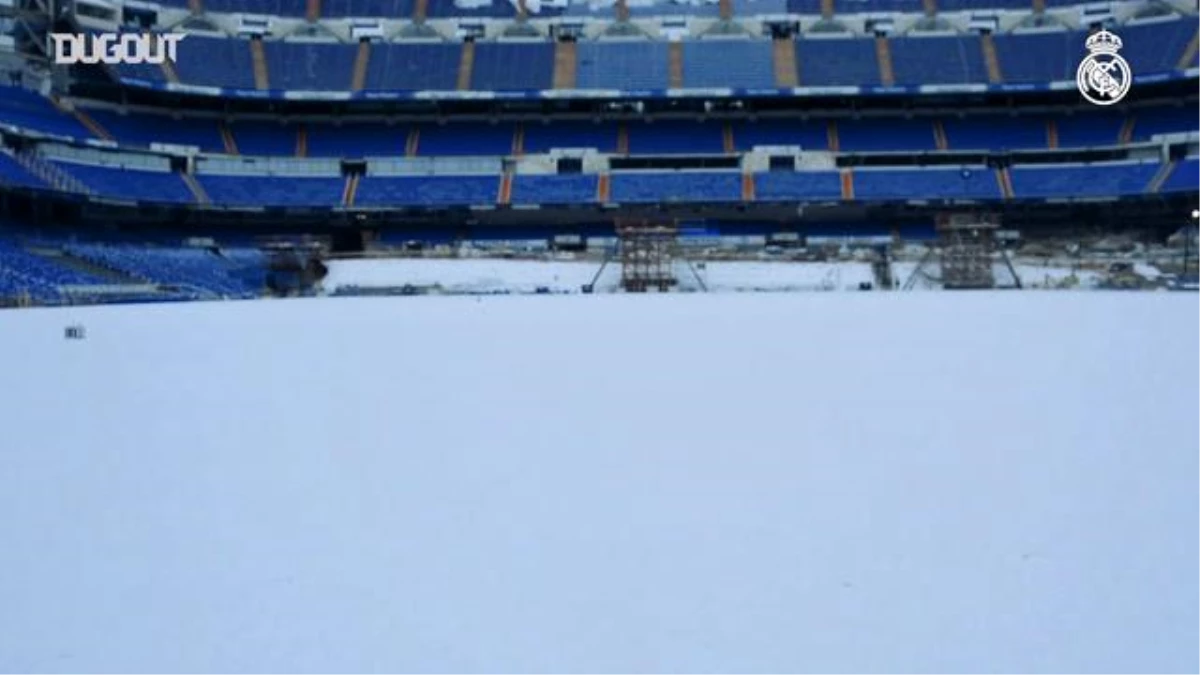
968,247
648,255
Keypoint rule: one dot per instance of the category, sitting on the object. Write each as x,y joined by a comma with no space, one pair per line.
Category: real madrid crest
1104,76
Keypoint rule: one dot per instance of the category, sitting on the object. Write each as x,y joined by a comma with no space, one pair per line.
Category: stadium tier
865,184
53,271
582,9
1154,49
1095,127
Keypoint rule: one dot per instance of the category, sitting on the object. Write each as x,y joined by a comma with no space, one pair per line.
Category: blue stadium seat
500,66
30,110
150,72
216,62
22,272
808,134
465,139
1094,180
272,7
995,132
970,5
367,8
938,60
12,173
498,9
1155,46
804,6
1089,129
677,186
570,134
837,61
1040,57
623,64
667,137
436,191
883,134
1148,122
191,267
314,66
797,186
1185,177
743,63
141,129
358,140
264,139
927,183
542,190
148,186
273,190
413,67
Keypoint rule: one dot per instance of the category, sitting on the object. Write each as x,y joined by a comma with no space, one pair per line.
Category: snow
813,482
526,276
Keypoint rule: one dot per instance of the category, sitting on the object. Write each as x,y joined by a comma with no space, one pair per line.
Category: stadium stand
195,268
534,189
144,130
1089,129
999,132
430,191
791,186
1185,177
885,134
23,108
417,66
542,137
698,186
719,63
12,173
268,191
654,138
356,140
500,66
899,184
24,272
837,60
623,64
1088,180
215,62
309,65
938,60
142,184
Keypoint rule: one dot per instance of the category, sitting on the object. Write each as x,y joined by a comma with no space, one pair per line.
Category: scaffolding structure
648,252
968,248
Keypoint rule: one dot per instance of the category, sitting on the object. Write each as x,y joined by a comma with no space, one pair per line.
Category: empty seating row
1076,129
501,9
23,272
639,64
1110,179
142,185
239,275
12,173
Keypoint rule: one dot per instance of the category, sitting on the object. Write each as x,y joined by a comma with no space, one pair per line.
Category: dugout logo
1104,75
113,48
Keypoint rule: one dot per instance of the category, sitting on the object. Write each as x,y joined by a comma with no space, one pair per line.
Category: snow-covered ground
698,482
483,275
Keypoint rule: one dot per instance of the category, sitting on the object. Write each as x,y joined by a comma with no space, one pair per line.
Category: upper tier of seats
1154,48
508,9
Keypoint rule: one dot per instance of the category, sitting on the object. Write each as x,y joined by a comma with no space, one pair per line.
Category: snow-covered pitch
826,482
